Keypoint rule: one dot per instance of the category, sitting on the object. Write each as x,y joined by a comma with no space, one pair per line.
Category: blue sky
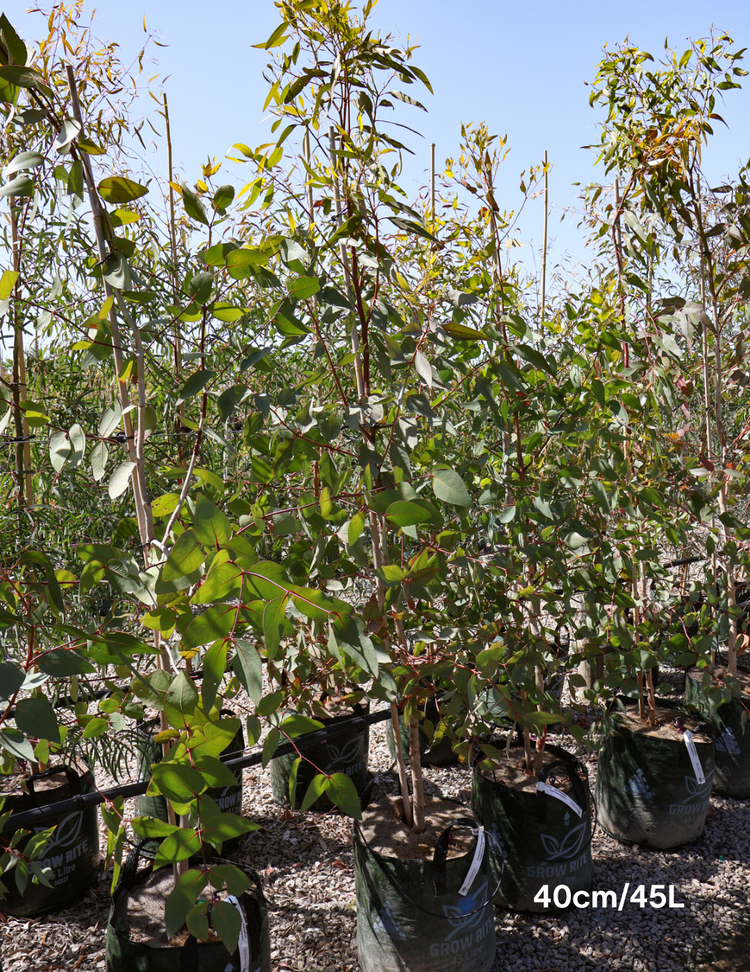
520,67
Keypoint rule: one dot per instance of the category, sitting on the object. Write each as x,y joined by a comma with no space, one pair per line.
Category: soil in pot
424,901
137,940
72,854
347,753
544,835
732,739
649,791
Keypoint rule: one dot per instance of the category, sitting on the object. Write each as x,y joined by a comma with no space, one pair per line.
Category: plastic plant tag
475,864
243,945
693,754
559,795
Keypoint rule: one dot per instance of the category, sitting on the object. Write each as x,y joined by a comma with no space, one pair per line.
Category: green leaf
118,189
64,662
60,449
392,574
274,618
180,701
7,283
403,513
223,197
99,457
12,677
165,504
96,727
276,39
186,556
214,772
248,668
315,790
214,667
448,486
176,782
226,826
195,384
267,580
226,922
193,205
152,827
214,623
14,742
352,638
120,478
36,718
270,703
297,725
356,526
293,781
197,921
211,526
304,287
22,185
223,581
342,791
182,898
400,96
15,46
84,144
226,875
270,745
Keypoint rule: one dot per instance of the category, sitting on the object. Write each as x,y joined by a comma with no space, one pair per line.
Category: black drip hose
28,819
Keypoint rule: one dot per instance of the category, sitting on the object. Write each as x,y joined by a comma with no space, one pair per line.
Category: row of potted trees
347,470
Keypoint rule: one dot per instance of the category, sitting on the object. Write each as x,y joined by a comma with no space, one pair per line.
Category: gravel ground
305,861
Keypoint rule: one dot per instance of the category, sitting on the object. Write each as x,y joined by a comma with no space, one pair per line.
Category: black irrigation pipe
40,815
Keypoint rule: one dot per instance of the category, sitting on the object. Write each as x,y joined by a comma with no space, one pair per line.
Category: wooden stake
358,378
544,241
432,181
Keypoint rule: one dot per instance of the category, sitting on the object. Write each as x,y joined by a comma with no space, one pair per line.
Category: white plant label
559,795
693,754
475,864
243,945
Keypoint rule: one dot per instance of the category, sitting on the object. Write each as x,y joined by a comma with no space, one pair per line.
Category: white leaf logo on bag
386,923
344,755
67,832
568,846
637,785
727,743
696,790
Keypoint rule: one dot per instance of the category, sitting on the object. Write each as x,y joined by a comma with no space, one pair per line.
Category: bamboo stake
142,505
308,159
24,472
177,336
432,181
618,252
358,378
419,823
544,240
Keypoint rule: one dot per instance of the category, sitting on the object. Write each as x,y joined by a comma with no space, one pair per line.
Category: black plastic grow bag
425,915
125,955
72,854
732,737
544,840
647,790
348,753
